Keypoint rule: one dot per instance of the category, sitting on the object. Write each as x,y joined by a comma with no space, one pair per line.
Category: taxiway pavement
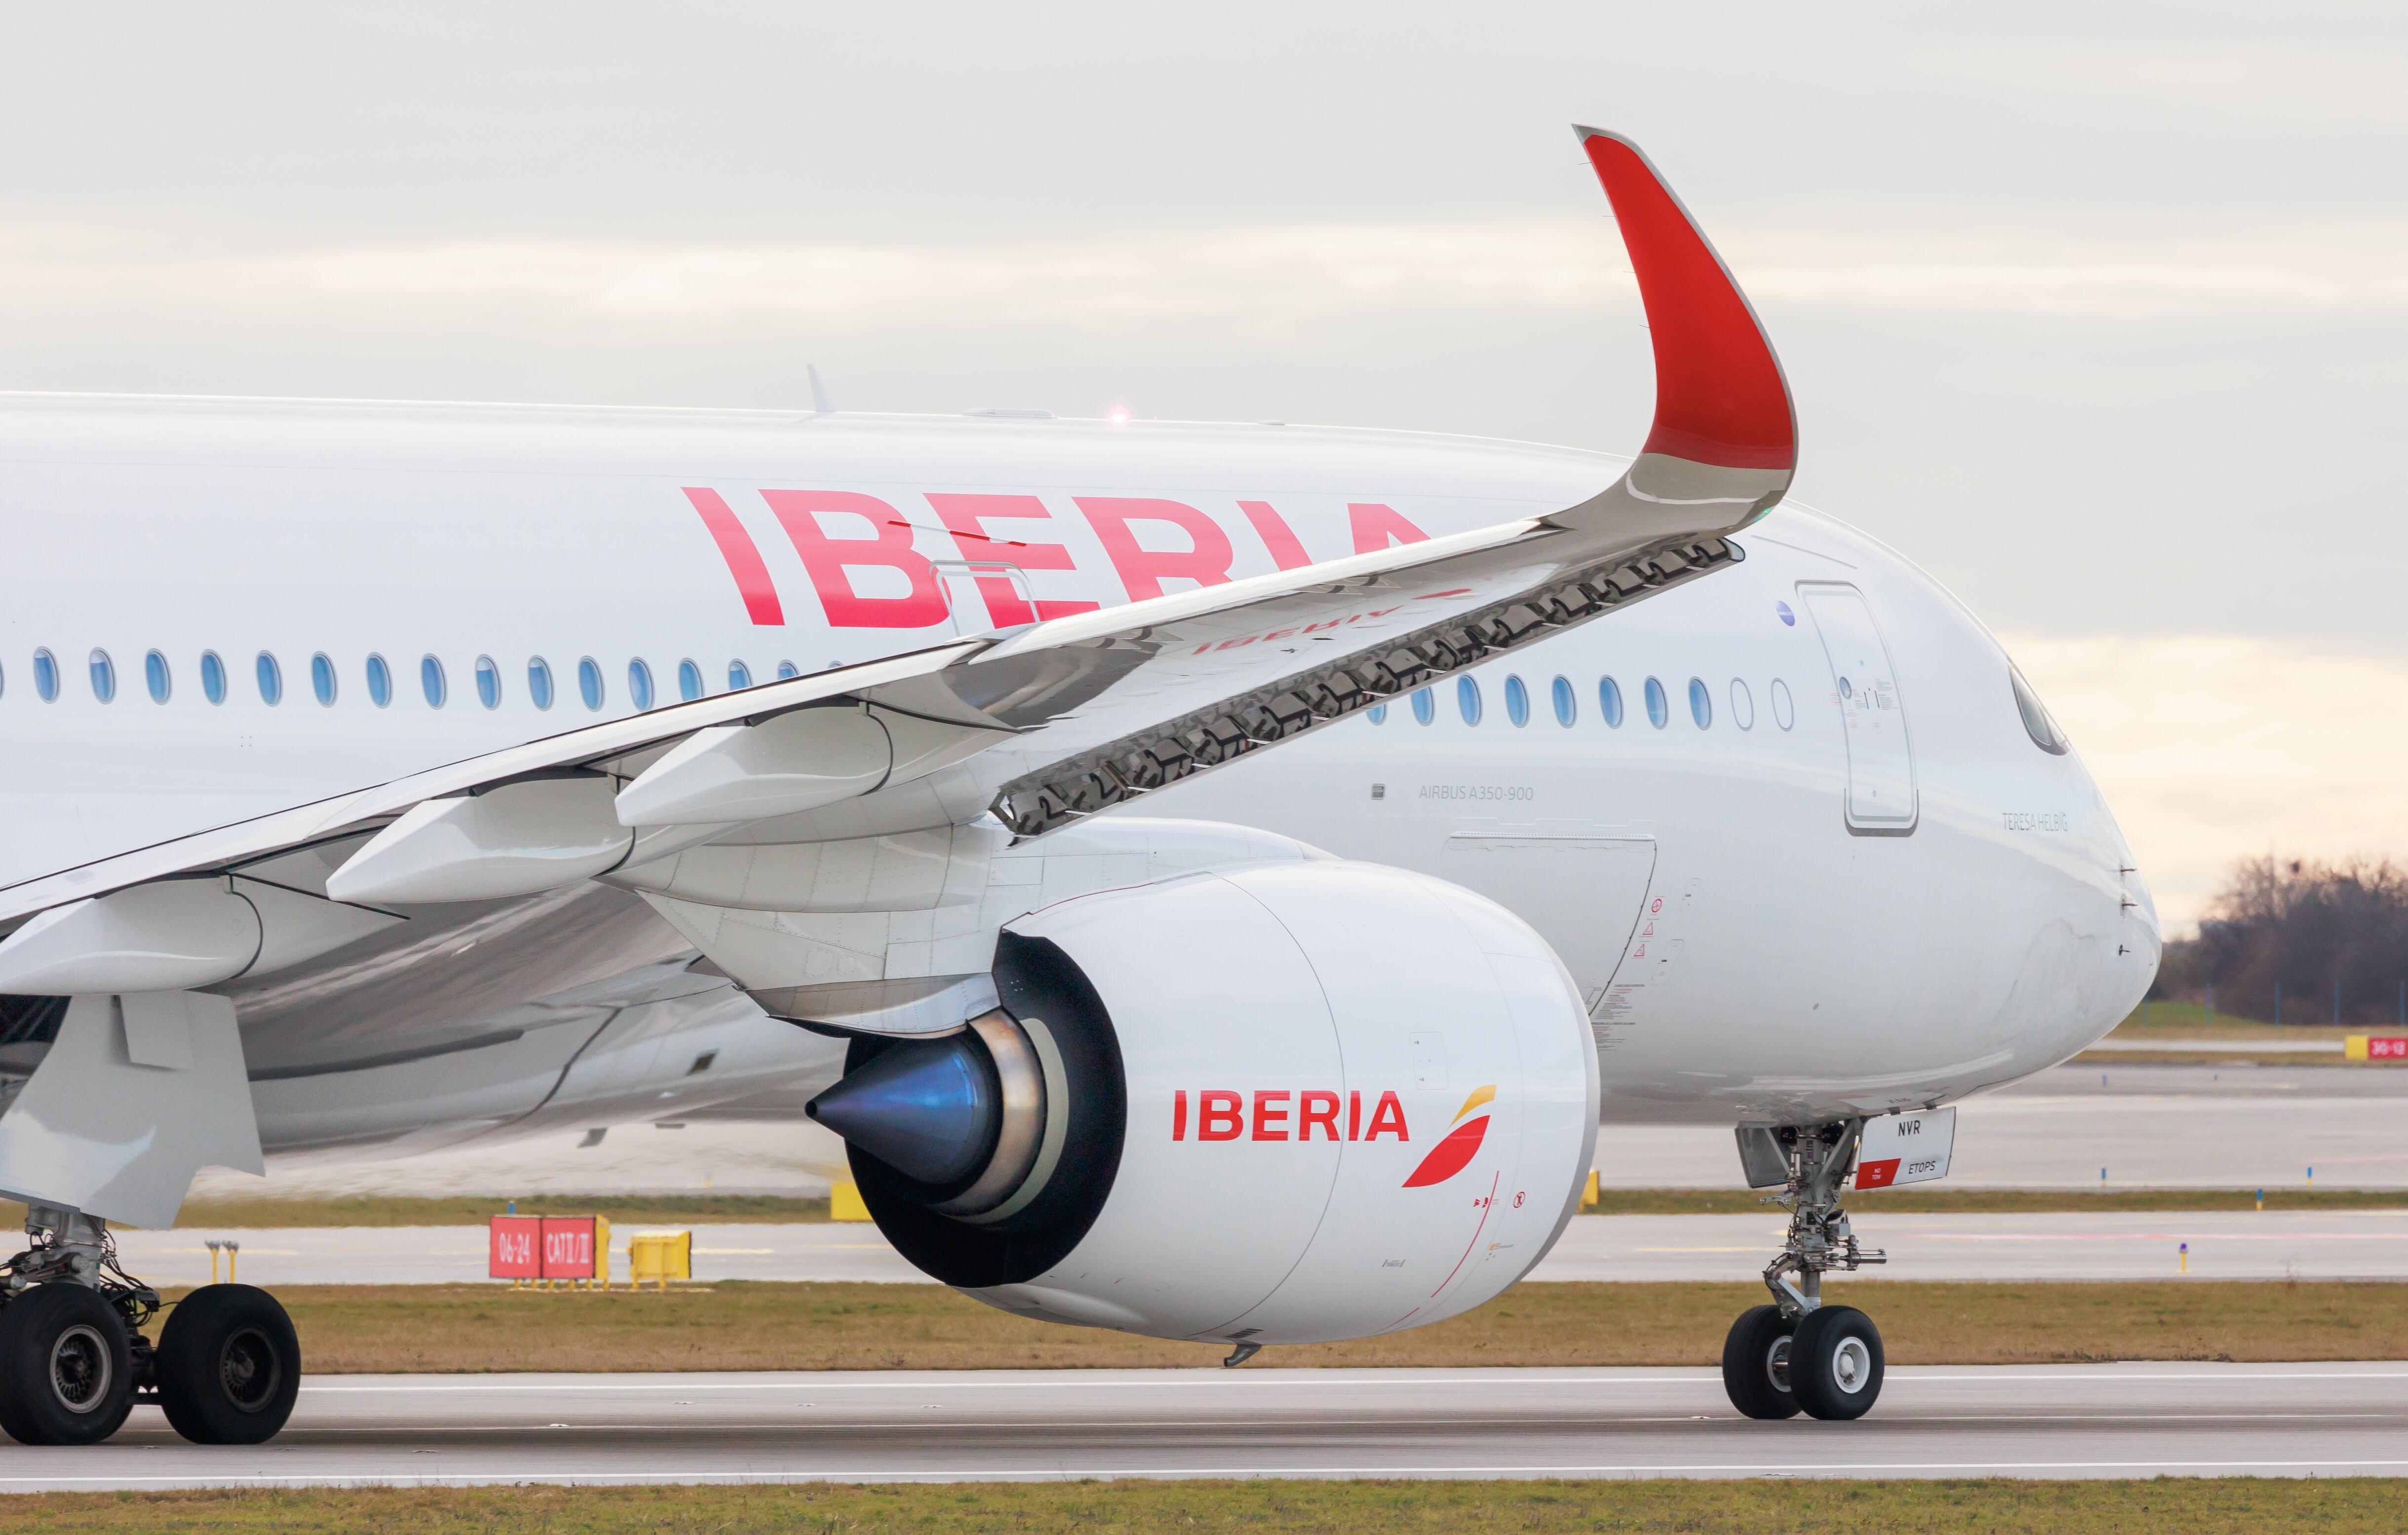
2235,1125
2140,1244
2045,1421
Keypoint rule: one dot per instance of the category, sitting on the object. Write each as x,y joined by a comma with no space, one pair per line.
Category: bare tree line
2300,939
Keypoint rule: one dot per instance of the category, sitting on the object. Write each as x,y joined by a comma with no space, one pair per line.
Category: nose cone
931,1110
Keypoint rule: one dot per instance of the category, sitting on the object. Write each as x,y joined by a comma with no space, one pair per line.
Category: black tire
229,1365
66,1367
1755,1364
1835,1363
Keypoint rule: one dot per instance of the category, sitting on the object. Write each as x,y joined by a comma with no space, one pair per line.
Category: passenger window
640,684
45,676
1517,701
1467,699
739,676
432,682
1743,705
104,677
212,678
270,678
1425,707
589,683
788,669
1659,708
540,682
1379,713
489,683
1567,703
379,681
1785,713
1701,703
1608,702
321,678
689,681
2037,723
154,677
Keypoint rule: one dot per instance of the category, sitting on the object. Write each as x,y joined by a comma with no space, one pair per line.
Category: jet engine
1267,1104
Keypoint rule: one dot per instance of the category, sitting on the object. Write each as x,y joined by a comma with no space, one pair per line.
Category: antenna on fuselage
821,403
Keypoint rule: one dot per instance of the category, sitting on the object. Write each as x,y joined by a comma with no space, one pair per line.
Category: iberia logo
1462,1143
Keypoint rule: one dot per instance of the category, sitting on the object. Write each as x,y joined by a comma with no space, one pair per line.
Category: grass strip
2233,1506
410,1328
2192,1020
2105,1056
1999,1201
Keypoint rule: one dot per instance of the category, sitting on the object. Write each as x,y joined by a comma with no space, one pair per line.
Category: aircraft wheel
229,1365
66,1367
1755,1364
1835,1362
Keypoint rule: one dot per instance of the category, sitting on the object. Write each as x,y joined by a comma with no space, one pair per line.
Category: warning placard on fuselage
1902,1148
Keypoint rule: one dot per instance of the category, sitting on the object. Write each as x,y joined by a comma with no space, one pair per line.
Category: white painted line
1200,1379
1815,1468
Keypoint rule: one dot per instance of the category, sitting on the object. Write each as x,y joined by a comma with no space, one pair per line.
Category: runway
2223,1245
2234,1125
2147,1126
2087,1421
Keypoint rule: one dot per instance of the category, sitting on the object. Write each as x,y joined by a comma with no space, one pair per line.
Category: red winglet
1720,398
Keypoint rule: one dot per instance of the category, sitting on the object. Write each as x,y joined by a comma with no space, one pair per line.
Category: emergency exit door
1881,755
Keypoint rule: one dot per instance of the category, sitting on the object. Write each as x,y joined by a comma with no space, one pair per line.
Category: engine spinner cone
931,1110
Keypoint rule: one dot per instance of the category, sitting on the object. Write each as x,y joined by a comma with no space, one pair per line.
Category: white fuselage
1757,938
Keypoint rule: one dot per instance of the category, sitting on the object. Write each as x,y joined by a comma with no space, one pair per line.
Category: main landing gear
1799,1354
226,1368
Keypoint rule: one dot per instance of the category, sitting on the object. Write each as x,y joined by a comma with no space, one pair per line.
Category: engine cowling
1275,1103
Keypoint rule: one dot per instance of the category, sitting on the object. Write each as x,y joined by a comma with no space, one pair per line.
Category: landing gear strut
73,1362
1798,1354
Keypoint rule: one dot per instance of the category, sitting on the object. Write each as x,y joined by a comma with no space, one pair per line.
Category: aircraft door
1582,891
1881,757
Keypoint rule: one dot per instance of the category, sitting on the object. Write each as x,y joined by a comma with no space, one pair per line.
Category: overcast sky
2098,312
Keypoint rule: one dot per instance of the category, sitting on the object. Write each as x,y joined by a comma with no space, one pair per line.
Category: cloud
2215,747
1294,270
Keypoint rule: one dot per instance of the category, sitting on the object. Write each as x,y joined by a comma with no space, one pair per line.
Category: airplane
1216,879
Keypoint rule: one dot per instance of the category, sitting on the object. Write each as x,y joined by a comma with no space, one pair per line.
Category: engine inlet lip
1022,1127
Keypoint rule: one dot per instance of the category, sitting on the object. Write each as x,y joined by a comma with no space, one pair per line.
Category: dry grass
745,1326
1999,1201
2239,1056
2190,1020
2203,1507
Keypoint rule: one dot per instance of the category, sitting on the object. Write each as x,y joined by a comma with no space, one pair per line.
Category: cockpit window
2037,723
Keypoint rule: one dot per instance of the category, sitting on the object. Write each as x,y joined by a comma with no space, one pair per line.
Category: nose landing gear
1836,1362
1798,1355
73,1362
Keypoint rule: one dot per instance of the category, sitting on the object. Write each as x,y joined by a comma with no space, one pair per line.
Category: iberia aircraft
1121,833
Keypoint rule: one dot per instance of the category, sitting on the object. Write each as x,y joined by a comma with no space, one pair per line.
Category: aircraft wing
1110,705
1048,723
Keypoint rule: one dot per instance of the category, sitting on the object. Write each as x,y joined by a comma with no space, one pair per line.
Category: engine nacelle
1271,1104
